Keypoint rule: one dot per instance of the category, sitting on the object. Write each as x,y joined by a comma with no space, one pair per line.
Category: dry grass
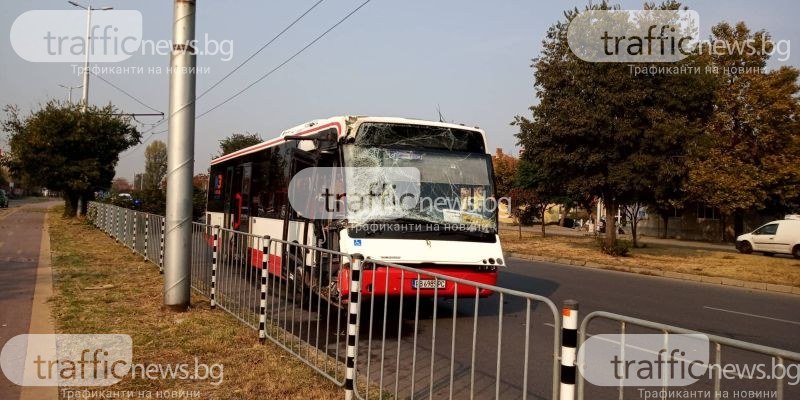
753,267
84,257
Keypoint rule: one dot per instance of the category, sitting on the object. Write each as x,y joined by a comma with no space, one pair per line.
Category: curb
41,318
714,280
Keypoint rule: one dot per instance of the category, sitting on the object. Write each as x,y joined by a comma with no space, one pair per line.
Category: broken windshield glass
454,188
419,137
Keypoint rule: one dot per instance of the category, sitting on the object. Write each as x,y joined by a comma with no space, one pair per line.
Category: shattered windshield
419,137
446,191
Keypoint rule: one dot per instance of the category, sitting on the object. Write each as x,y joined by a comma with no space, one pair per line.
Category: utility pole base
176,308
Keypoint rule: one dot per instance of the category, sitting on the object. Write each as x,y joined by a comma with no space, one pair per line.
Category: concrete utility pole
180,158
87,49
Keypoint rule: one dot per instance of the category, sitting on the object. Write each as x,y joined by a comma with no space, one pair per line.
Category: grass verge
83,257
748,267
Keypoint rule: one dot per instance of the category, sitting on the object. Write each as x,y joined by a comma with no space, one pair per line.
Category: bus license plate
428,284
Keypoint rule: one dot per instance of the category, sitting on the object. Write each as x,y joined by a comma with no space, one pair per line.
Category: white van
776,237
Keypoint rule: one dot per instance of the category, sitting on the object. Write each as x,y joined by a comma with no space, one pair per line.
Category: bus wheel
297,279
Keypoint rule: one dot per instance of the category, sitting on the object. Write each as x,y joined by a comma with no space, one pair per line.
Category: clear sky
392,58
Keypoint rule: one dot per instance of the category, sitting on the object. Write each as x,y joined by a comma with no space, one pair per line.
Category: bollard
352,323
262,312
569,342
214,254
161,250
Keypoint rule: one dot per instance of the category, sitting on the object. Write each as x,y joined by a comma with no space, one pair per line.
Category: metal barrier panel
154,237
130,232
139,232
725,352
201,258
438,336
304,312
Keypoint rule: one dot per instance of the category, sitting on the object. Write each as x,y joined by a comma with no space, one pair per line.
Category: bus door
297,228
237,198
244,198
227,208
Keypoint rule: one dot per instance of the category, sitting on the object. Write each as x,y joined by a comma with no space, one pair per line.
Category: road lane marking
629,346
753,315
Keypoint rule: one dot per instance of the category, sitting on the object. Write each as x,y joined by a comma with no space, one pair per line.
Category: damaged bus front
421,195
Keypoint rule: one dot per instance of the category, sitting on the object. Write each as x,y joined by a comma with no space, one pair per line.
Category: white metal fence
480,345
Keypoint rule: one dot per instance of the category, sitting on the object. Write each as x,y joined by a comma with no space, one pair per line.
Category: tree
527,205
599,130
4,181
155,165
66,150
747,157
238,141
199,194
532,194
632,213
505,171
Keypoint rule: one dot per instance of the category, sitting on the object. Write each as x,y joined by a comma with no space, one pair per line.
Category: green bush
620,248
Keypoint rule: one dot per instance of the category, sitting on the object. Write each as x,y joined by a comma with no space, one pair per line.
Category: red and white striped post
214,257
352,324
569,343
262,311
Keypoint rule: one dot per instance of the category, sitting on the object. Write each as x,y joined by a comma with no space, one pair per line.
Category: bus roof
340,123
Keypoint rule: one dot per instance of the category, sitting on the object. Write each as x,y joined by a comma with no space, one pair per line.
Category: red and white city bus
249,191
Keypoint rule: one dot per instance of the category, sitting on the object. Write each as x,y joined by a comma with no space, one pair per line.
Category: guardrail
469,340
717,344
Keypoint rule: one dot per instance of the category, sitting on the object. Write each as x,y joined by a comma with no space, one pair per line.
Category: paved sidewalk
26,283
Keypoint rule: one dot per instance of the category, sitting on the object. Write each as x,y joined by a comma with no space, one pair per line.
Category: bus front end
421,209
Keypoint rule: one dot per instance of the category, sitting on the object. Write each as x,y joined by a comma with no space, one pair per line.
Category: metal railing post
214,260
116,225
135,218
352,324
125,227
146,234
569,343
161,249
262,312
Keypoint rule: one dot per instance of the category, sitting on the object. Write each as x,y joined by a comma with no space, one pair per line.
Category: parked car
776,237
3,199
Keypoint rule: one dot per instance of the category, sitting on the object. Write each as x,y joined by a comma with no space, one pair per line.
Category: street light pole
87,49
69,90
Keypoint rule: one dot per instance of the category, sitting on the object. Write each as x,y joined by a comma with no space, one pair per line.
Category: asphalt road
20,240
759,317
